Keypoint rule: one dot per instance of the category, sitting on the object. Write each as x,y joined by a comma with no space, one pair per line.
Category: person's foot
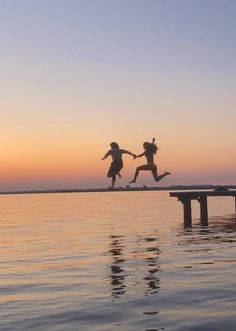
132,181
166,173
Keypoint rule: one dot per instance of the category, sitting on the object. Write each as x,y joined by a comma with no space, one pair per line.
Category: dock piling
187,212
203,210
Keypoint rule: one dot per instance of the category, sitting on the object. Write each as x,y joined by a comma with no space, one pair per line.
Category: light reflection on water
115,261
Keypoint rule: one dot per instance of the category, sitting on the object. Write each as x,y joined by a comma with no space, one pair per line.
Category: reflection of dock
201,197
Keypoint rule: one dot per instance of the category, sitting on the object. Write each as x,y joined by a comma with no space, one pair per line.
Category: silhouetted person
117,163
149,150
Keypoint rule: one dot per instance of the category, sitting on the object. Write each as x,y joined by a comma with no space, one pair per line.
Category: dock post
187,212
203,210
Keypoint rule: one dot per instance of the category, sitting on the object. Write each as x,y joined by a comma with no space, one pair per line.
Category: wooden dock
201,197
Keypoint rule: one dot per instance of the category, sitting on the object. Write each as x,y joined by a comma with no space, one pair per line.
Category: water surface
115,261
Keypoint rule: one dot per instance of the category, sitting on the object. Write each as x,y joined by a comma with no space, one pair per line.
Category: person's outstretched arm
140,155
106,155
127,152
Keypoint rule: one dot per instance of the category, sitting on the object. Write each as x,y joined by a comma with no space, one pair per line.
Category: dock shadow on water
74,262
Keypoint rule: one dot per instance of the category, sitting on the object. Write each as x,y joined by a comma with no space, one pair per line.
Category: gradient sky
78,74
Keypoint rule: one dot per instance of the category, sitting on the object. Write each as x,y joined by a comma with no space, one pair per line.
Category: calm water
115,261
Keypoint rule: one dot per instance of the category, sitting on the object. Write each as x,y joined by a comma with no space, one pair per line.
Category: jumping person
149,150
117,163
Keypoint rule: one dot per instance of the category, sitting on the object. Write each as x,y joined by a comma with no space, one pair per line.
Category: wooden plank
198,194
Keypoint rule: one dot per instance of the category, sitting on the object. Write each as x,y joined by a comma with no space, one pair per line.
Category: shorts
115,167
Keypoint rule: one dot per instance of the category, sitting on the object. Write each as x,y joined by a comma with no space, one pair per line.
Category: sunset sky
78,74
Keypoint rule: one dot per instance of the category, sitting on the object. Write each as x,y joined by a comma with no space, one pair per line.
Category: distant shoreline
120,189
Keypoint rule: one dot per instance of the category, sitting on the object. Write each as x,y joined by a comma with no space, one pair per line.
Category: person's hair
150,147
114,145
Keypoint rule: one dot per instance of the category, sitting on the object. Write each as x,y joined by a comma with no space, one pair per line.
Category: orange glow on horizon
70,156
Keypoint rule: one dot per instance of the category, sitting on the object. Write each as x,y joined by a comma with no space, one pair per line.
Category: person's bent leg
142,167
154,173
135,176
161,176
113,181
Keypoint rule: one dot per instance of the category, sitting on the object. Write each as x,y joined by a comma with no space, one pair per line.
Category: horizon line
127,188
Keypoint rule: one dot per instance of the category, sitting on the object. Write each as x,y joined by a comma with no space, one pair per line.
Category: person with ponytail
150,150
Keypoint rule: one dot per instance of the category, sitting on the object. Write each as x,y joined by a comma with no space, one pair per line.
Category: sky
79,74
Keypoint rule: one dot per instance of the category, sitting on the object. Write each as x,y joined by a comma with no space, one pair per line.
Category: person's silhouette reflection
117,276
152,279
